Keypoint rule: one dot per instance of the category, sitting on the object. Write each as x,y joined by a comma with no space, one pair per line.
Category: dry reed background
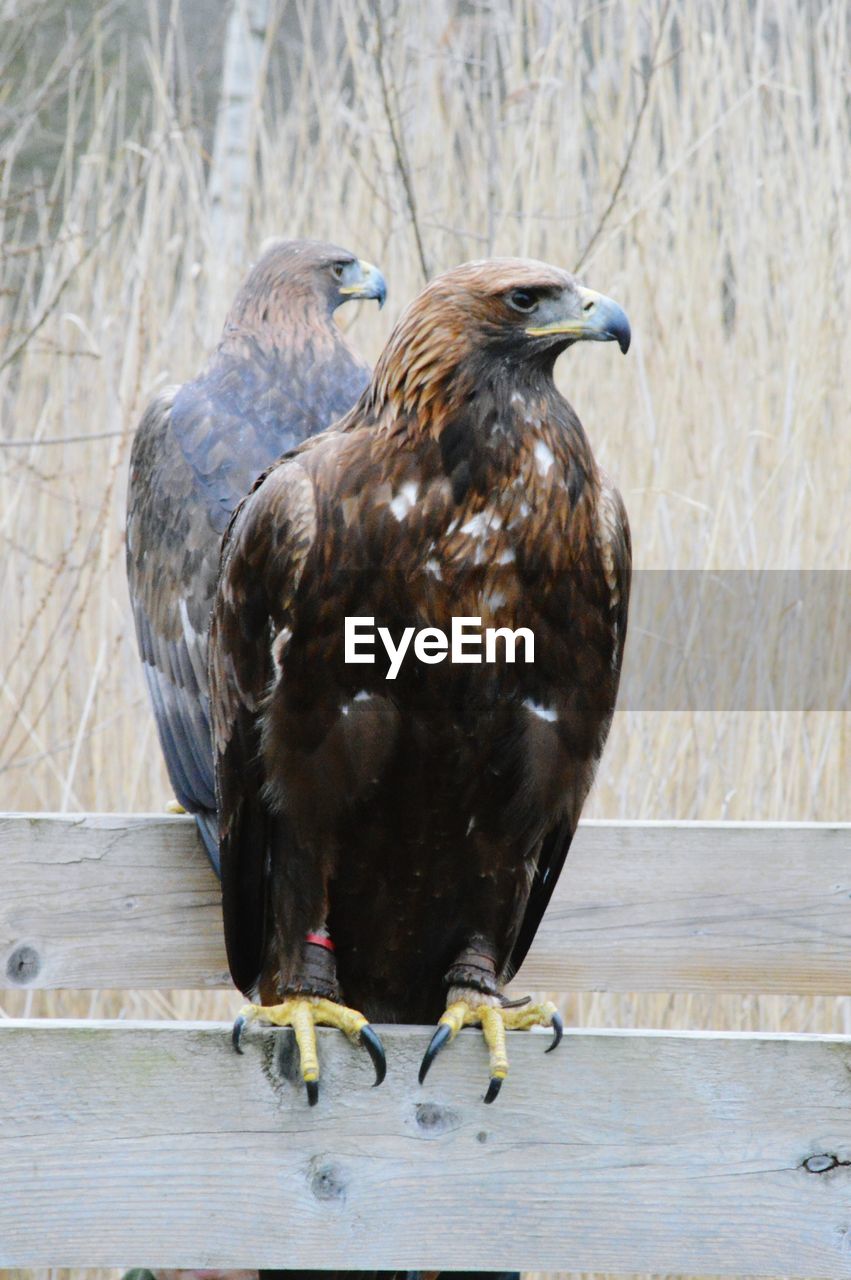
504,127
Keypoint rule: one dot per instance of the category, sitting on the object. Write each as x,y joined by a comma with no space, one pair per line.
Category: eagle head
506,314
303,277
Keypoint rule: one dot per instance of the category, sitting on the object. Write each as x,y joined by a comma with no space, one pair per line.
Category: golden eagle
281,372
392,838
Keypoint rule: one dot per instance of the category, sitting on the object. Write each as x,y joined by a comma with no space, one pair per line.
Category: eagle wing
263,558
614,545
172,555
197,452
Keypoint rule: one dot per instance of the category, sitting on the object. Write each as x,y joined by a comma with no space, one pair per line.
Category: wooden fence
151,1143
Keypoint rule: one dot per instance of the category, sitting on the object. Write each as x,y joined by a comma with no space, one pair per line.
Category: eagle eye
337,270
522,300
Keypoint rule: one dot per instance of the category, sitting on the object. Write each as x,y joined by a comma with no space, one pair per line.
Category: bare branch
627,160
35,443
51,306
394,127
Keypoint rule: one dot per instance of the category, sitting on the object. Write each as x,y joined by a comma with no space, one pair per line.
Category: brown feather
408,816
281,372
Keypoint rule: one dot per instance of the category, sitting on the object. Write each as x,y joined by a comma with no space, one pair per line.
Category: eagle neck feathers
492,421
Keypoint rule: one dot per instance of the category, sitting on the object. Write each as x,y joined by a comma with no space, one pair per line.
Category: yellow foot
174,806
304,1014
494,1021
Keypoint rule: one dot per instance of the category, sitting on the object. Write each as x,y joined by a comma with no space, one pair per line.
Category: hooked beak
598,319
367,282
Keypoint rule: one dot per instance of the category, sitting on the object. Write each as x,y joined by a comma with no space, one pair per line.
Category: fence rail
153,1143
105,900
149,1143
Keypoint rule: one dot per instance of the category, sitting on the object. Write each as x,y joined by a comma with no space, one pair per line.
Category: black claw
312,1087
372,1043
514,1004
236,1034
493,1089
558,1032
438,1040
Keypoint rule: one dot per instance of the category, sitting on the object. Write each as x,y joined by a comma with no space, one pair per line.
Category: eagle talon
494,1021
371,1041
440,1038
493,1089
304,1013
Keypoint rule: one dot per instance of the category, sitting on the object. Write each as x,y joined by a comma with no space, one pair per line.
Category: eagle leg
475,999
474,1009
311,998
304,1013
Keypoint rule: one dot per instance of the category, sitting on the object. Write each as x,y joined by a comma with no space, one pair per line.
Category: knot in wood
823,1163
328,1183
433,1119
23,965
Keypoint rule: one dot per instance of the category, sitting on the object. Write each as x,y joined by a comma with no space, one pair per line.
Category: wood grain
99,901
695,1153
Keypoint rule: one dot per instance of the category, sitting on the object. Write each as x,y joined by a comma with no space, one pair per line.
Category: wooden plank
96,901
105,900
697,1153
700,906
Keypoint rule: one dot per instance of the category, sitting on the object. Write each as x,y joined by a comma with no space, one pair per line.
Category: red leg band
318,941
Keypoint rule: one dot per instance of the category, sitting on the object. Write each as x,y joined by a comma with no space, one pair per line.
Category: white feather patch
544,457
404,499
189,631
479,524
537,709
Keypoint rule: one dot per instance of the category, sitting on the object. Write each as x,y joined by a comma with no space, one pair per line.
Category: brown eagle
391,831
281,372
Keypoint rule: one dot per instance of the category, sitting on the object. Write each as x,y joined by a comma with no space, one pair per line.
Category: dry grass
726,427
